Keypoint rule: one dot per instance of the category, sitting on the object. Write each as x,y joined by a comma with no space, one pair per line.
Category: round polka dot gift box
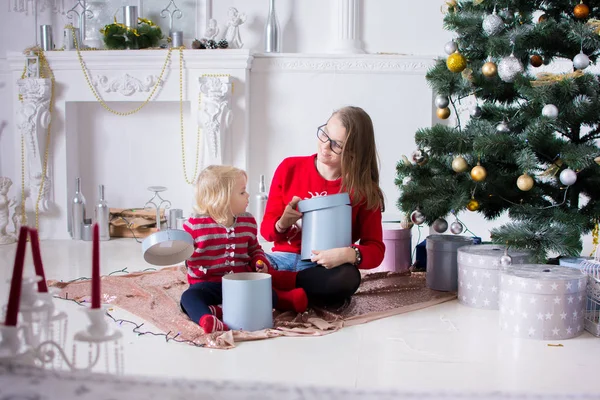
544,302
479,273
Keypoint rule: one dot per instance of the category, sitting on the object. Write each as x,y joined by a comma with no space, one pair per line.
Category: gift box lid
487,256
543,279
168,247
318,203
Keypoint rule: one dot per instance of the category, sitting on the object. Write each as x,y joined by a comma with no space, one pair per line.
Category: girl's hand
334,257
261,267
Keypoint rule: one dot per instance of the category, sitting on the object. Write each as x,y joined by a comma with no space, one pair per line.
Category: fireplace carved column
214,117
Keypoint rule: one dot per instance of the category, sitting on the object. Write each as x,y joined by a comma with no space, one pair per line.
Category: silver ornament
509,68
506,260
581,61
476,112
492,24
440,225
417,217
502,127
456,228
550,111
568,177
441,101
419,157
450,47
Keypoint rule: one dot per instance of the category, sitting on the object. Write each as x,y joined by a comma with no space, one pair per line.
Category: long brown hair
360,162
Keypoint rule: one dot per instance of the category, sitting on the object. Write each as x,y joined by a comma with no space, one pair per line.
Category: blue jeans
284,261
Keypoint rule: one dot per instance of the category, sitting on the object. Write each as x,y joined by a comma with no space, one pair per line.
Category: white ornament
441,101
581,61
440,225
506,260
232,35
502,127
450,47
492,24
476,112
568,177
212,30
550,111
509,68
456,227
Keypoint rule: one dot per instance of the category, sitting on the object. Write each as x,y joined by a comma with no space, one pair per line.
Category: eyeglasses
335,146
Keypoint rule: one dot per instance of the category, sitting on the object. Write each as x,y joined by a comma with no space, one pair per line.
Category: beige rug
154,297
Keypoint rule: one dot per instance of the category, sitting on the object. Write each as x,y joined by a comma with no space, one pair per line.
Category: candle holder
157,202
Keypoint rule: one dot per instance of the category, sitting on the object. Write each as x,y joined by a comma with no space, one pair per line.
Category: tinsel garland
119,37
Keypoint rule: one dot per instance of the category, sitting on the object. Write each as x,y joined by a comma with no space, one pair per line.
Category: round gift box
479,274
247,301
168,247
544,302
397,242
442,270
326,223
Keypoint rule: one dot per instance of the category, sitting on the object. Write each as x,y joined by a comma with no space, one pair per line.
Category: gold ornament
473,205
478,173
456,62
525,182
581,11
597,160
536,60
543,18
548,78
468,75
489,69
443,113
459,164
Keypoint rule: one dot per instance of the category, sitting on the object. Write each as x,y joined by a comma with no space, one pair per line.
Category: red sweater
298,176
220,250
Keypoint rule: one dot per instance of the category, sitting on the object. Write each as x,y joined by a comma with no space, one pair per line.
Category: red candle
12,309
37,260
96,269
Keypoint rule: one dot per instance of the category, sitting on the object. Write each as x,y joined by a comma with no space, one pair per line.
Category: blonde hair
214,187
360,162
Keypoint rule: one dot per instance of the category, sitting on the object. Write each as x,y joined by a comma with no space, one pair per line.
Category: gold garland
548,78
45,71
97,96
594,239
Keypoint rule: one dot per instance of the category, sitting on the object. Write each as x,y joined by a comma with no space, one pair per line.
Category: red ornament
536,60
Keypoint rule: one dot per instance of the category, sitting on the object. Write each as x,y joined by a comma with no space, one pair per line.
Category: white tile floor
447,347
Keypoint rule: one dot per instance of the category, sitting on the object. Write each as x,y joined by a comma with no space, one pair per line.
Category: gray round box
479,274
442,271
544,302
326,223
247,301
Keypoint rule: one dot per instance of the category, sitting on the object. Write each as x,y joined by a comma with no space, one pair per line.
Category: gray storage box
442,270
479,274
326,223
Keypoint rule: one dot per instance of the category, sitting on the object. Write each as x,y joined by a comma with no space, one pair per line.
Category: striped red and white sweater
221,250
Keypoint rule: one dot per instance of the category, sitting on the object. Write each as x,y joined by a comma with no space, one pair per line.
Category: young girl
225,237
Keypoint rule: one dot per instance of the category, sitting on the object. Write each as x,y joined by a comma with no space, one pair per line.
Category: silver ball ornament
509,68
492,24
476,112
441,101
417,217
502,127
450,47
419,157
506,260
581,61
568,177
456,228
440,225
550,111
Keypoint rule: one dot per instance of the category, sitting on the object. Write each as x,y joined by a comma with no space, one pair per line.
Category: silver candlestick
82,12
175,13
157,202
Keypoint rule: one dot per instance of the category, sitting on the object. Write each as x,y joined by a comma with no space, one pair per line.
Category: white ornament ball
441,101
550,111
450,47
456,228
509,68
417,217
502,127
440,225
476,112
506,260
492,24
568,177
581,61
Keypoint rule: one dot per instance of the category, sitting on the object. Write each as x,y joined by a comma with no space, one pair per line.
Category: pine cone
196,44
211,44
223,44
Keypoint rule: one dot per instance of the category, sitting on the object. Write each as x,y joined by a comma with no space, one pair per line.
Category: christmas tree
528,146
